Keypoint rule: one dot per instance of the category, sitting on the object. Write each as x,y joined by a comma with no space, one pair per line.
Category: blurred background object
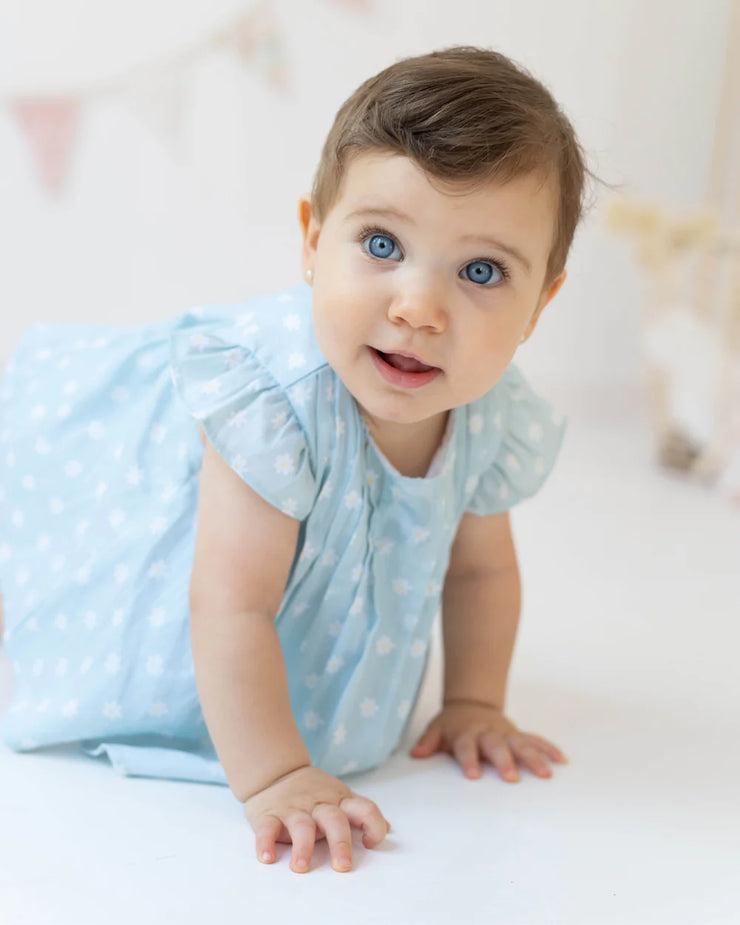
691,267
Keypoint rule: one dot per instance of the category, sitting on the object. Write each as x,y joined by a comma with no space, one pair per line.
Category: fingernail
344,863
266,857
301,864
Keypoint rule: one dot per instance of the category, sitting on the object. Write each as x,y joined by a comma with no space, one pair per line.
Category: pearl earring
309,275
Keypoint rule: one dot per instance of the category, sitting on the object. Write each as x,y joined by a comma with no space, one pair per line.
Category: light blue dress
99,462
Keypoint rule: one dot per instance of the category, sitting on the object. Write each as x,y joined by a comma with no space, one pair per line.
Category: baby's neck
409,448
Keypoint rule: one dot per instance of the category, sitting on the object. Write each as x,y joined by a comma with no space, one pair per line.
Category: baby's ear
547,295
309,225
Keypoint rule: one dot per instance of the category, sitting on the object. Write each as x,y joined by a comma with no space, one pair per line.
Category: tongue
405,364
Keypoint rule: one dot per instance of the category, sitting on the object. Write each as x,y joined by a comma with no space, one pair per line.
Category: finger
465,750
552,751
530,757
268,829
428,744
364,814
500,756
335,826
302,831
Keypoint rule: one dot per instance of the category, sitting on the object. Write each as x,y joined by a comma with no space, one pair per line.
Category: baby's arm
243,552
480,606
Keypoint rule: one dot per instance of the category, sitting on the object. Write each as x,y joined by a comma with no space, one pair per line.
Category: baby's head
465,115
443,209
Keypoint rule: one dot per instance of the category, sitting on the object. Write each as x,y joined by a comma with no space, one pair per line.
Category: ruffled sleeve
529,432
246,415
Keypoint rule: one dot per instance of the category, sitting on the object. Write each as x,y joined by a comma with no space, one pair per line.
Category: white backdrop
143,232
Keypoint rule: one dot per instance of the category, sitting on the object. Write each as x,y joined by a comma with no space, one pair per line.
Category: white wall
141,234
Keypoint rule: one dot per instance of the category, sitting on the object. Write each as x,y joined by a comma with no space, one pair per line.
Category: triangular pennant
257,40
157,95
50,126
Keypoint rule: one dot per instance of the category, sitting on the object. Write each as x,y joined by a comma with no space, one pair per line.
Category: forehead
521,210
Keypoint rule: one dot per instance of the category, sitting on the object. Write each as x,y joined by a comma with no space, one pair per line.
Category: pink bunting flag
256,39
50,125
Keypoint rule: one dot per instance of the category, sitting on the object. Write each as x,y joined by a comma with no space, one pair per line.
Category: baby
224,539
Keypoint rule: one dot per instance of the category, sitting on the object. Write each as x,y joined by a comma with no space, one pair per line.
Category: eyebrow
513,252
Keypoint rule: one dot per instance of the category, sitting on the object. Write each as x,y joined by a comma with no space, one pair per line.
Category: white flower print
289,507
96,430
22,576
73,468
233,357
418,648
43,354
539,466
61,621
396,492
38,412
403,709
308,552
285,464
199,339
157,525
384,545
117,616
357,606
334,664
70,387
471,483
349,767
512,463
329,558
168,492
70,708
311,681
300,608
340,425
56,505
536,431
116,517
155,665
352,500
82,575
134,475
419,534
292,322
296,360
475,424
339,734
245,319
158,616
112,710
384,645
335,628
498,420
401,586
238,418
42,446
38,667
157,569
120,394
212,387
118,452
503,492
372,477
285,297
158,708
32,625
58,563
100,490
279,419
312,720
86,664
90,619
112,664
120,573
357,572
158,433
324,493
300,395
330,392
368,707
4,552
432,589
182,450
99,343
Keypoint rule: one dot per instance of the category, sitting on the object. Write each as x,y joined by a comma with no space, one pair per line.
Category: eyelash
369,230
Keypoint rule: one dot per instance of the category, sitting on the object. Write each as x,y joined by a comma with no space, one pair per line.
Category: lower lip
398,377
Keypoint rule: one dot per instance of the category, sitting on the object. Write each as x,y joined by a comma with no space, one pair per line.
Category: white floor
627,658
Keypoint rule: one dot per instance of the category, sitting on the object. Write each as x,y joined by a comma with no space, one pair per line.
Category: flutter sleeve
246,415
530,434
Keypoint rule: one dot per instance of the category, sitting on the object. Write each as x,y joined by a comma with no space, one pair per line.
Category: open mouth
401,370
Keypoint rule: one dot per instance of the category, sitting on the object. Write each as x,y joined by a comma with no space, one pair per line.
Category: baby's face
421,296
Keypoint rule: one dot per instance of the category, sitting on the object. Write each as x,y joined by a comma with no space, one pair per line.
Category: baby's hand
467,729
308,804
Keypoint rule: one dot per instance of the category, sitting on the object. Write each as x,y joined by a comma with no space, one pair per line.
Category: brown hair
462,114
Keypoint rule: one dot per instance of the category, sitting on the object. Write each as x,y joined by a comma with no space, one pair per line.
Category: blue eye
480,271
381,245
